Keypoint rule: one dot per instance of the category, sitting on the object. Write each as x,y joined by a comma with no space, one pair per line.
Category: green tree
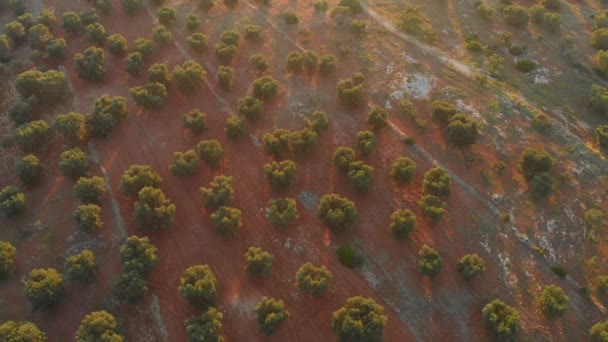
195,121
90,189
193,22
350,90
38,37
189,77
601,136
318,123
403,223
403,170
198,42
227,221
24,111
206,5
184,163
72,22
117,44
599,331
82,266
377,118
143,46
294,62
516,16
34,134
44,288
343,157
98,326
150,95
312,279
225,52
218,193
27,20
30,170
134,63
210,151
96,33
281,175
432,207
198,285
7,255
15,31
72,126
166,16
366,142
361,319
12,331
358,28
258,62
360,175
138,255
235,127
90,65
282,212
501,318
158,72
471,265
104,6
5,47
290,17
206,327
599,38
601,286
73,163
265,88
303,141
225,75
271,313
436,182
56,49
442,111
276,143
553,301
12,202
258,261
47,86
541,185
250,107
533,162
107,112
129,287
253,32
161,35
327,65
429,261
88,217
153,210
132,7
337,212
462,130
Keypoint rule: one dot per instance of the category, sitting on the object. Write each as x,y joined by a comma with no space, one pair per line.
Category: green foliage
318,123
350,90
82,266
18,6
117,44
599,331
210,151
7,254
442,111
130,287
15,31
23,331
12,202
48,86
227,221
432,207
98,326
403,223
56,49
158,72
537,12
132,7
361,319
349,257
88,217
33,135
594,218
90,189
225,52
253,32
72,126
107,111
337,212
153,210
235,127
462,130
184,163
258,261
343,157
290,17
559,271
5,48
218,193
541,185
533,162
198,285
366,142
134,63
599,38
327,65
89,17
150,95
276,143
206,327
44,288
38,37
471,265
312,279
358,27
230,3
193,22
90,65
189,77
250,107
601,136
516,16
525,65
303,141
73,163
23,110
230,37
541,123
354,6
195,121
143,46
136,177
265,88
429,261
161,35
271,313
258,62
294,61
403,170
360,175
436,182
601,285
104,6
501,318
95,33
282,212
30,170
553,22
225,75
281,175
377,118
320,5
166,16
206,5
553,301
138,255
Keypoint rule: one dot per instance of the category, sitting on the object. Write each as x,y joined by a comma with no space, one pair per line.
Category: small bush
44,288
318,123
429,261
82,266
210,151
471,265
442,111
560,271
599,331
525,65
195,121
253,32
90,189
337,212
258,62
95,33
403,223
599,39
553,301
320,5
33,135
312,279
158,72
225,75
73,163
198,285
138,255
271,313
12,202
258,261
366,142
227,221
349,257
327,65
541,185
98,325
143,46
184,163
166,16
358,27
276,143
193,22
436,182
235,128
533,162
462,130
218,193
132,7
117,45
30,170
290,17
282,212
130,287
189,77
281,175
516,16
403,170
206,5
207,327
7,255
225,52
377,118
56,49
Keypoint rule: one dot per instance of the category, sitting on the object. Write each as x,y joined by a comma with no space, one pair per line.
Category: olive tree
158,72
429,261
218,193
47,86
98,326
361,319
21,331
189,76
134,63
107,112
501,318
312,279
12,201
88,217
132,7
129,287
198,285
30,170
206,327
553,301
282,212
210,151
136,177
193,22
599,331
153,210
432,207
533,162
162,35
225,75
143,46
227,221
72,22
195,121
318,123
471,265
7,255
82,266
90,189
138,255
271,313
303,141
442,111
377,118
166,16
235,127
198,42
90,65
150,95
403,170
360,175
276,143
350,90
72,126
55,49
38,37
327,65
184,163
96,33
436,182
73,163
403,223
33,135
44,288
265,88
337,212
366,142
462,130
250,107
281,175
257,261
343,157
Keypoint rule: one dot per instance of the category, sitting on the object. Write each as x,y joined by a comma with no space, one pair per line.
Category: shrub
7,254
403,170
218,193
198,285
44,288
377,118
136,177
361,319
195,121
73,163
432,207
130,287
48,86
143,46
599,331
319,122
27,20
294,62
206,327
258,62
206,5
184,163
153,210
436,182
403,223
138,255
350,90
161,35
471,265
90,189
5,48
559,271
253,32
516,16
271,313
343,157
541,123
349,257
88,217
281,175
553,301
501,318
429,261
235,127
90,65
525,65
193,22
312,279
134,63
225,52
15,31
462,130
533,162
442,111
358,27
189,76
337,212
210,151
276,143
104,6
89,17
225,75
327,65
166,16
38,37
82,266
150,95
258,261
30,170
541,185
320,5
290,17
303,141
552,22
18,6
601,286
536,13
72,126
282,212
250,107
56,49
12,202
132,7
98,326
599,99
366,142
599,38
117,44
95,33
107,111
33,135
23,111
21,331
265,88
360,175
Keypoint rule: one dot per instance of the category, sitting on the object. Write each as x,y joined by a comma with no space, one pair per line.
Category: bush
117,44
553,22
462,130
358,27
235,127
134,63
231,3
150,95
258,62
253,32
599,331
195,121
7,254
227,220
403,170
349,257
601,286
184,163
501,318
271,313
104,6
525,65
89,17
136,177
537,13
436,182
258,261
276,143
290,17
206,327
442,111
265,88
319,122
224,52
161,35
197,42
130,287
88,217
90,189
56,49
48,86
533,162
250,107
95,33
30,170
90,65
366,142
429,261
82,266
73,163
225,75
552,5
23,110
218,193
553,301
138,255
15,31
18,6
350,90
343,157
541,123
166,16
294,62
281,175
198,285
282,212
337,212
189,77
21,331
206,5
33,135
27,20
516,16
143,46
320,5
599,99
132,7
38,37
5,48
327,65
471,265
44,288
559,271
599,38
98,326
193,22
360,175
312,279
432,207
377,118
153,210
361,319
210,151
403,223
12,202
72,126
303,141
107,111
541,185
